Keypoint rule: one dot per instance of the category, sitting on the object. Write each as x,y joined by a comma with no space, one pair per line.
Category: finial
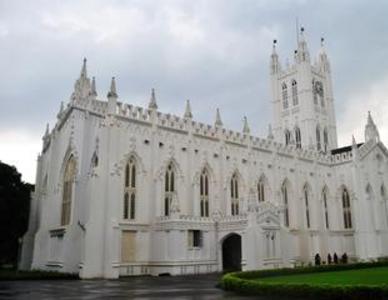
152,104
93,89
274,45
246,127
354,144
83,70
218,122
302,29
188,114
322,41
370,120
113,93
61,108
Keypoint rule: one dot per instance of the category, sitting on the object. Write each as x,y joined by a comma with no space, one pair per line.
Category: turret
371,131
302,54
112,97
93,91
82,85
152,104
218,122
323,61
246,129
188,114
275,65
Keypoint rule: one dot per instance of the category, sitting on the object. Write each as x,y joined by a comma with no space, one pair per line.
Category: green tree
14,211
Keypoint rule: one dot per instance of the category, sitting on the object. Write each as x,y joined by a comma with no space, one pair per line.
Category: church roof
344,149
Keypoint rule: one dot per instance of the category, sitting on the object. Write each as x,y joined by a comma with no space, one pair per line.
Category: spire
84,73
246,126
354,144
93,91
218,122
152,104
302,54
270,133
112,93
188,114
323,61
61,108
275,65
371,131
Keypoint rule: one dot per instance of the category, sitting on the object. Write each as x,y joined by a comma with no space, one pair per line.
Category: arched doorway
231,253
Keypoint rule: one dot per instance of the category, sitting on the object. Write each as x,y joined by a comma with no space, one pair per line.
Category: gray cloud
213,52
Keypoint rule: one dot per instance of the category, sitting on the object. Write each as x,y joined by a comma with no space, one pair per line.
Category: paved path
179,287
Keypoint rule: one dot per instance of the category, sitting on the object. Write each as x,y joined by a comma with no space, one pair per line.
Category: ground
179,287
371,276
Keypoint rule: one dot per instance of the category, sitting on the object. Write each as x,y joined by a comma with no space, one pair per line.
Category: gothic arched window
67,195
318,136
285,203
234,195
295,100
306,202
287,135
325,208
325,140
261,190
129,210
298,138
315,94
284,95
169,188
346,209
204,193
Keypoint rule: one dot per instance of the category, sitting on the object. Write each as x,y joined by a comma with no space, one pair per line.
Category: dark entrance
231,253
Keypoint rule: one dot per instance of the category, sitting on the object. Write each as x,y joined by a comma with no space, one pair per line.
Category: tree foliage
14,212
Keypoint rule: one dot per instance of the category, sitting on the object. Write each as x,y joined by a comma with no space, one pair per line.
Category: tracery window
234,195
204,193
169,189
67,195
285,96
325,140
261,190
287,135
306,202
346,209
325,208
318,136
285,203
298,138
129,211
295,99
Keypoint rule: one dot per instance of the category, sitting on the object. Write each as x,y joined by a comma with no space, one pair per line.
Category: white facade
123,190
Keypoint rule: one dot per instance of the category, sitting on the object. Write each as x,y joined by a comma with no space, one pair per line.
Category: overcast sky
214,52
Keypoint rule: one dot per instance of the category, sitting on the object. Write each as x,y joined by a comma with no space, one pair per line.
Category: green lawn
370,276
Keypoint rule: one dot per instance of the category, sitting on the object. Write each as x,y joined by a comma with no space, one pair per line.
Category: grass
370,276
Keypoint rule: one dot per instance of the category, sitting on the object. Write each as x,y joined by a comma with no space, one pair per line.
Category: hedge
240,282
35,275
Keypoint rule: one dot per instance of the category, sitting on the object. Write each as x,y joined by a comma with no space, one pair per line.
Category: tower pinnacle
152,104
112,93
246,129
218,122
188,114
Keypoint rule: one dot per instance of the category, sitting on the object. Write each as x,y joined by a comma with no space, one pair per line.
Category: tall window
325,140
204,193
346,209
306,202
261,190
385,200
129,211
315,94
169,189
325,208
294,92
285,95
285,203
67,196
318,136
298,138
287,134
234,194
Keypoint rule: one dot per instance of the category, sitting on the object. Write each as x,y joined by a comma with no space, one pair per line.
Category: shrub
240,282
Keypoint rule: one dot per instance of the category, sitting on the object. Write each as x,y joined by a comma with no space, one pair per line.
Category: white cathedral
124,190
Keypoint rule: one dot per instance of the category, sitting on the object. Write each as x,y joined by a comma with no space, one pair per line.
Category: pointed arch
318,137
121,165
130,188
262,189
325,206
169,187
285,194
68,190
204,186
235,190
307,203
284,95
346,207
294,86
298,137
287,135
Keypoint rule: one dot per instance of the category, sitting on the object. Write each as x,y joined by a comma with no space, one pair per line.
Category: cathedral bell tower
302,99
